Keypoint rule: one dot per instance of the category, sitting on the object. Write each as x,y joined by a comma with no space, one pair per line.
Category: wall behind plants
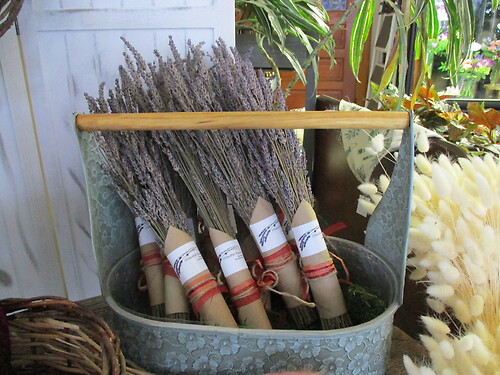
65,48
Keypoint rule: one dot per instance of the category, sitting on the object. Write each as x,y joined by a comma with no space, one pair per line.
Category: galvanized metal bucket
164,347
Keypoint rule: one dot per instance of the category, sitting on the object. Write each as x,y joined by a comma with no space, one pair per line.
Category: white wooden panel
69,51
29,261
118,4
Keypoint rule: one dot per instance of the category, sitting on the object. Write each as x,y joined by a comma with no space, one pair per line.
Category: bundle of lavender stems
281,166
247,166
135,169
140,175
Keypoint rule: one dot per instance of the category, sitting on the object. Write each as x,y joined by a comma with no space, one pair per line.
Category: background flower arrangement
484,63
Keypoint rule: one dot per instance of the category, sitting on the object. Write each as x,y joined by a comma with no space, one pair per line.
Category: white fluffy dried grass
454,248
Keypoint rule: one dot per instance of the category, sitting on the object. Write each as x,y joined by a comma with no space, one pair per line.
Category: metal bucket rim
257,333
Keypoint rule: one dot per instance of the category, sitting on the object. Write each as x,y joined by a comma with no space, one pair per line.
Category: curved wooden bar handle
243,120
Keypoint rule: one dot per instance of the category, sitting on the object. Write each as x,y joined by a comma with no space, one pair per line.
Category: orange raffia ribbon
200,290
280,258
347,280
318,270
263,278
245,293
268,278
151,258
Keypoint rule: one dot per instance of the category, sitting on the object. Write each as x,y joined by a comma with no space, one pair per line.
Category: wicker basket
52,335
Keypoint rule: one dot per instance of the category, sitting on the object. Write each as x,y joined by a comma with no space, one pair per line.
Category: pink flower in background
467,64
485,62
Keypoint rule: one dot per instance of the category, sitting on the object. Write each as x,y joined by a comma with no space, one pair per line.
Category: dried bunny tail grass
383,183
423,164
368,189
453,248
376,145
422,141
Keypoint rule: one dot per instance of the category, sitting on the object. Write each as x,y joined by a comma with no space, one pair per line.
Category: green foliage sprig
274,20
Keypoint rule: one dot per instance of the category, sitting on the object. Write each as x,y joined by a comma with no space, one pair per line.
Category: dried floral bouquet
212,162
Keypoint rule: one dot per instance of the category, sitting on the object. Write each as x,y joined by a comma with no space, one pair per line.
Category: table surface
401,342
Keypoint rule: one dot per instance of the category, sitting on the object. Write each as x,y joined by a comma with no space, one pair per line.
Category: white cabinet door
29,261
69,47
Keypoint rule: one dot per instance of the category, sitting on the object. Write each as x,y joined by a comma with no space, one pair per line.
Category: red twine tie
245,293
318,270
151,258
200,290
280,258
168,270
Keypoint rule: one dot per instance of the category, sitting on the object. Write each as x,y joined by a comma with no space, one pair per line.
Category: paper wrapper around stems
321,274
198,282
276,252
152,266
242,286
176,302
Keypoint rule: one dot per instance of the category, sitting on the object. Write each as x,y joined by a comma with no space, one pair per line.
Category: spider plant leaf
292,58
455,53
417,9
270,20
318,15
329,47
402,45
432,21
300,17
389,71
360,30
418,45
466,14
304,38
316,12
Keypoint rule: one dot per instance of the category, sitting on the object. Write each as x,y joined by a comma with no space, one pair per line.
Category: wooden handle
243,120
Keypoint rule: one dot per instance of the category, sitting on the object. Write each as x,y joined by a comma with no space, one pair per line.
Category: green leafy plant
272,21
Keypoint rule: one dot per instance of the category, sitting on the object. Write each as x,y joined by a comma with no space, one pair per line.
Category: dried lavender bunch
234,86
225,162
280,162
209,198
276,158
139,173
173,85
187,85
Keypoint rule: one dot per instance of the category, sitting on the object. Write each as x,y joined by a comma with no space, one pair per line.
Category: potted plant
285,32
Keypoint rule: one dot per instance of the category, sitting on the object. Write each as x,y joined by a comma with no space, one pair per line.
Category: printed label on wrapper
146,234
187,261
268,233
230,257
309,238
